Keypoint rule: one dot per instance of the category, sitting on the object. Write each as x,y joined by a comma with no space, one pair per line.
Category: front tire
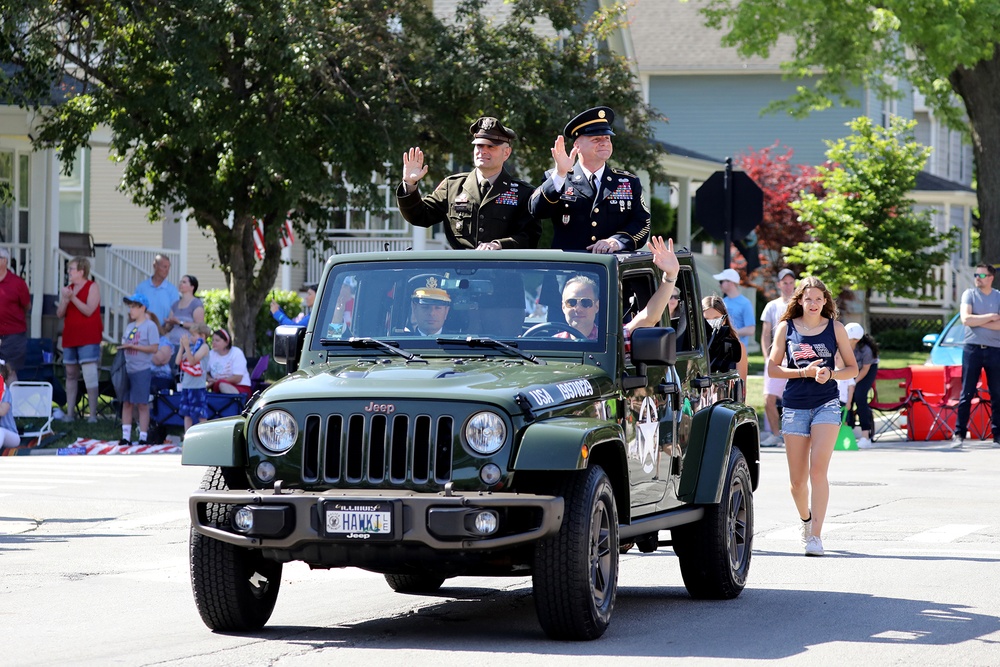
234,588
575,576
714,553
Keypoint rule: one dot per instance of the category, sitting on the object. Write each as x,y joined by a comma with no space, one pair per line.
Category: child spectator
194,392
8,429
141,340
227,366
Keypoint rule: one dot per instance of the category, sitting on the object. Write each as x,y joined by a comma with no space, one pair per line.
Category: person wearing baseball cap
592,206
483,209
741,315
140,341
773,387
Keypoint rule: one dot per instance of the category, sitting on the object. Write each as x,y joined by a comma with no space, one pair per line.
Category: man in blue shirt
740,309
161,293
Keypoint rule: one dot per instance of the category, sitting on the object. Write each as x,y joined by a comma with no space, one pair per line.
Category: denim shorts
801,420
84,354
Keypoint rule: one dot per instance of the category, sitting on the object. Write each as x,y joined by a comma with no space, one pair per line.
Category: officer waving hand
593,206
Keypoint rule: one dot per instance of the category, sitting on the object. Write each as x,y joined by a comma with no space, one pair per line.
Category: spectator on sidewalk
302,319
741,315
160,293
9,437
227,366
14,303
186,311
194,387
980,311
140,342
773,387
83,331
866,355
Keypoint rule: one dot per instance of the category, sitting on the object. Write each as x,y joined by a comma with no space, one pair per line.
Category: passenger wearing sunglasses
980,314
580,305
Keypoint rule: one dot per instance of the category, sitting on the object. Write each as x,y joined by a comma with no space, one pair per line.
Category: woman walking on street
808,337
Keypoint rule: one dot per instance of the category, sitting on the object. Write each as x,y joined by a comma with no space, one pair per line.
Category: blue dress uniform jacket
469,219
620,211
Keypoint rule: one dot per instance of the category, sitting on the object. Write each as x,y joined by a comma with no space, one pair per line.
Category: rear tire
576,572
714,553
234,588
414,583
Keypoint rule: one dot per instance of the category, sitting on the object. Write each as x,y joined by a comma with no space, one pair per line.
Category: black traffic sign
729,205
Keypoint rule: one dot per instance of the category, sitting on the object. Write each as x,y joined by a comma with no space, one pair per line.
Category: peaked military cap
590,123
489,131
431,293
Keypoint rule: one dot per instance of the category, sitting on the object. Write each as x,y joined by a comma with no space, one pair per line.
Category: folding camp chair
891,396
942,408
32,400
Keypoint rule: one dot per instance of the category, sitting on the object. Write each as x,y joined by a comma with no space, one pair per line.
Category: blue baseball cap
137,299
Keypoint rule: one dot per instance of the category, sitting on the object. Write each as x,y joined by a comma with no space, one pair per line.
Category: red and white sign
287,237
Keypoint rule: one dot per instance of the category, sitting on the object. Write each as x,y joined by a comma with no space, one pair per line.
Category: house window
71,195
7,205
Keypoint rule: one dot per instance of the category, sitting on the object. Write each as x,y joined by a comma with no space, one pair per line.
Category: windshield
423,304
954,336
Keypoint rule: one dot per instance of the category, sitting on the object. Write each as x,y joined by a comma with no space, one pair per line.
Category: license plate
361,520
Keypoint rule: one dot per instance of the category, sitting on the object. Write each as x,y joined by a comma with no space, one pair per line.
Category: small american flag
804,351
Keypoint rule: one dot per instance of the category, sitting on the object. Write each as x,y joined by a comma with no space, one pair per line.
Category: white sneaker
814,546
865,443
807,530
768,440
957,442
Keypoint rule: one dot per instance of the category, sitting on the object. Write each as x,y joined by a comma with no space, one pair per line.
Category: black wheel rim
602,560
738,530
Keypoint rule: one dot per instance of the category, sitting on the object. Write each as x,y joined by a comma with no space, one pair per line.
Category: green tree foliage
783,182
866,234
244,110
948,50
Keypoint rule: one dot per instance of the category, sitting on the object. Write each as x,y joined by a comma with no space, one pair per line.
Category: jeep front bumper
290,519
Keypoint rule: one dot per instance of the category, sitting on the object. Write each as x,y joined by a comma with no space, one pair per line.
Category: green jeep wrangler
440,418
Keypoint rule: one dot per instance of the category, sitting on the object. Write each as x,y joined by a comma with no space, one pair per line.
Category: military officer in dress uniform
484,209
592,206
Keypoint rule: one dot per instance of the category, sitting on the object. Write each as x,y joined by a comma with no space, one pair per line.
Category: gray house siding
721,115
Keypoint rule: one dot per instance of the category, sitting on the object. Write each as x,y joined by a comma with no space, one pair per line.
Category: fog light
265,471
243,519
490,473
486,523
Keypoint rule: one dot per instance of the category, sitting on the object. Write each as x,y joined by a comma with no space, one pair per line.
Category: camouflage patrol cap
490,132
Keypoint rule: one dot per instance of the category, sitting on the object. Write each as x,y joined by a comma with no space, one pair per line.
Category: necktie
596,186
484,188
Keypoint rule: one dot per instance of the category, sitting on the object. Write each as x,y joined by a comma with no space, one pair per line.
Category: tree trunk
248,284
979,89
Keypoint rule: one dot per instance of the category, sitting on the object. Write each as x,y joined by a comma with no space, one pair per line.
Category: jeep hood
495,381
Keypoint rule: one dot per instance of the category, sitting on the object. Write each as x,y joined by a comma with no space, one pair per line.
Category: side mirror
287,346
930,339
656,346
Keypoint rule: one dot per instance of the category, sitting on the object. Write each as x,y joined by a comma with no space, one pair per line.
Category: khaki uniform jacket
619,212
469,220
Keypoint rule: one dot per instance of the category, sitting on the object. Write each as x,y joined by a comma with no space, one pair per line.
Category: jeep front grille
379,449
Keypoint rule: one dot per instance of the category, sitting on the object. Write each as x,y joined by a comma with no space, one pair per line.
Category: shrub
217,314
904,340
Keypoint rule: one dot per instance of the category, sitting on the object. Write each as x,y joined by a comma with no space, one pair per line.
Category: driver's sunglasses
981,275
586,303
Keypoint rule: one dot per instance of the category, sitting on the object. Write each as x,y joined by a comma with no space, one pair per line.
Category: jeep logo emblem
387,408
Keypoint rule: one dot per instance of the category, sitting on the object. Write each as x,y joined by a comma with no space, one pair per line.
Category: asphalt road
93,571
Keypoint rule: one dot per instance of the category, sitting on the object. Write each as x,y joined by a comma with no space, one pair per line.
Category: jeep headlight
485,432
277,431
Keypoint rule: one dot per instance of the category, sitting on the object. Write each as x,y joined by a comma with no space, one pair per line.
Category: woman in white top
227,366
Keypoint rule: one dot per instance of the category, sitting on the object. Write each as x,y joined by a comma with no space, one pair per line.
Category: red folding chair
892,394
943,407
